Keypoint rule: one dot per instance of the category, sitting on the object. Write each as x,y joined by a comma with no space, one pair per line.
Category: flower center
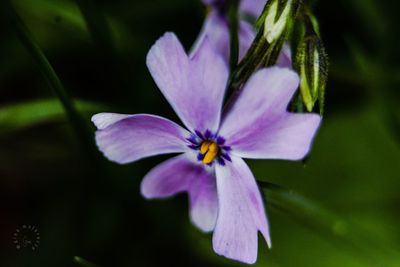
209,147
210,151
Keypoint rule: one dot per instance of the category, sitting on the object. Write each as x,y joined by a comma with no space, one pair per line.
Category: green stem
48,72
234,33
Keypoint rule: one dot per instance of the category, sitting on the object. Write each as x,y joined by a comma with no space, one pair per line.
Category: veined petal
127,138
204,201
287,137
103,120
194,87
241,213
258,125
209,75
180,174
216,29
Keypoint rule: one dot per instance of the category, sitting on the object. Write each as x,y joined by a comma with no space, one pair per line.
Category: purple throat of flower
210,147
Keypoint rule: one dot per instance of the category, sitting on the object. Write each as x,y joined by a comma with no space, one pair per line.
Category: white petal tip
205,227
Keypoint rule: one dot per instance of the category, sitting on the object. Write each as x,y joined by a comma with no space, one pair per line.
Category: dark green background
345,211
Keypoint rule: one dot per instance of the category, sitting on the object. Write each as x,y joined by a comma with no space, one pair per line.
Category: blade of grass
48,72
27,114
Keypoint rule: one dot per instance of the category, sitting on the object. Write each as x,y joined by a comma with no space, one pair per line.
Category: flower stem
234,34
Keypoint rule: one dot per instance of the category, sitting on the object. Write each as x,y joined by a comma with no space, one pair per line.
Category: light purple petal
209,76
287,137
241,213
204,201
216,29
180,174
127,138
285,57
252,7
267,92
103,120
194,87
258,125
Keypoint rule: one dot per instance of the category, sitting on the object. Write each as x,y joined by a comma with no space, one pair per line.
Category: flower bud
276,17
312,64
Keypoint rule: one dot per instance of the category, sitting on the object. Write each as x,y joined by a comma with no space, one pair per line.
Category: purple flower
249,7
252,7
216,28
223,193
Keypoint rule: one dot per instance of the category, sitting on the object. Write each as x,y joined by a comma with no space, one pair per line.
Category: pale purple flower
223,193
249,7
216,28
252,7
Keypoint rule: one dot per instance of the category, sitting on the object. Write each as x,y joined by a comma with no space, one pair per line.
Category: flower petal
287,137
209,75
127,138
258,125
285,57
194,87
252,7
180,174
216,29
103,120
204,201
241,213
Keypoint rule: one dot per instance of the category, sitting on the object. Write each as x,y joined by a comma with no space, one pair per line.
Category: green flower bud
312,64
276,17
273,27
275,24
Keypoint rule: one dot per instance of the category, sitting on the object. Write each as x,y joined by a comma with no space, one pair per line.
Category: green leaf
27,39
48,18
23,115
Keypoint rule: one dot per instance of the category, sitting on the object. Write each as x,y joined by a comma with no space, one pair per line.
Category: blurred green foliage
339,209
18,117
